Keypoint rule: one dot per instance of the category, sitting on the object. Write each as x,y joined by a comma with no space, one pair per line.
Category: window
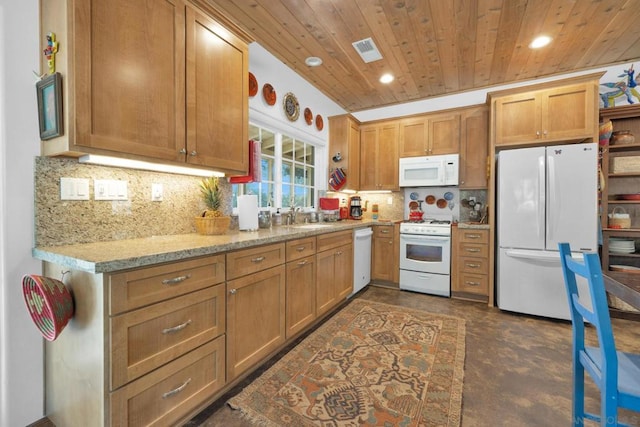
288,168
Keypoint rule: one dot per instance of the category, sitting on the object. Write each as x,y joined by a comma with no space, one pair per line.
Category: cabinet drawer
474,265
474,236
473,283
247,261
473,250
333,240
144,339
168,394
136,288
300,248
385,232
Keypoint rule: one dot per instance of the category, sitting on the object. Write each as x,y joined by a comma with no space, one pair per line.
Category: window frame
280,131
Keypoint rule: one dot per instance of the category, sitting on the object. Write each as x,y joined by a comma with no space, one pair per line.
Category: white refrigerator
545,195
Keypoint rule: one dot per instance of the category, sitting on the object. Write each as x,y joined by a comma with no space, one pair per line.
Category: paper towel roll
248,212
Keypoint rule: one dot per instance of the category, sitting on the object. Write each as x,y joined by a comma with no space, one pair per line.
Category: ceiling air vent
367,49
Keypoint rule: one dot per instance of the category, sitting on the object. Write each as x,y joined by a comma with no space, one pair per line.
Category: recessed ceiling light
386,78
539,42
313,61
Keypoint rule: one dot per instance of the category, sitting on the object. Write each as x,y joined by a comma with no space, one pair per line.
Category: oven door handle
424,239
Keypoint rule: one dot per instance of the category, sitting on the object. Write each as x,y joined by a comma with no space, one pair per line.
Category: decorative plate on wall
291,106
269,94
319,122
253,85
308,116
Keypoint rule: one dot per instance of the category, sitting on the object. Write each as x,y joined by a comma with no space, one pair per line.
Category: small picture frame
49,93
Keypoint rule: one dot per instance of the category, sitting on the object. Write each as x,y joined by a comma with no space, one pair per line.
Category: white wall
21,366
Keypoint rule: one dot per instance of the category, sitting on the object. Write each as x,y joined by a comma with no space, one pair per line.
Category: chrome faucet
293,214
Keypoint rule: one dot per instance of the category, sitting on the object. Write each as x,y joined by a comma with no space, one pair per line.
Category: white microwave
429,171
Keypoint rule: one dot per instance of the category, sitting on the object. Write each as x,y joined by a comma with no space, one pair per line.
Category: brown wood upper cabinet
474,145
155,80
567,111
344,139
430,134
379,156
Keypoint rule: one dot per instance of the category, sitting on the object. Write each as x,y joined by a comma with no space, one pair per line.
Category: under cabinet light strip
138,164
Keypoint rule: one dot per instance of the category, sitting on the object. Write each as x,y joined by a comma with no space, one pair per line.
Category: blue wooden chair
616,374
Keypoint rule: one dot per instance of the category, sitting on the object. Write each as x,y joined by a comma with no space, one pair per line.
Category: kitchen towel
255,172
338,179
248,212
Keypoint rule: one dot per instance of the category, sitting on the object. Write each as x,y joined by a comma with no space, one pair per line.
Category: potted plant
212,220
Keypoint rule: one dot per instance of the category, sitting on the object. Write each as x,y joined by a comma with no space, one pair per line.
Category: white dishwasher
361,258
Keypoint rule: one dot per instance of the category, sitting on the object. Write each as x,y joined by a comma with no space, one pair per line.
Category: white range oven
425,256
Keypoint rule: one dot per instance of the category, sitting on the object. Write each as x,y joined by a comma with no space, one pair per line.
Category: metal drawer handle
176,328
473,236
300,248
338,253
258,259
176,280
473,265
302,262
176,390
384,231
472,250
467,282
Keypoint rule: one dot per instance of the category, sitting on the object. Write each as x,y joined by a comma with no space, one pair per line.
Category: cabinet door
217,96
368,157
517,119
129,77
382,262
344,138
444,133
255,318
570,113
343,272
326,296
387,162
474,149
301,294
414,134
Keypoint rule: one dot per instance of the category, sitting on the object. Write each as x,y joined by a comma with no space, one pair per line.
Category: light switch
110,189
74,189
157,192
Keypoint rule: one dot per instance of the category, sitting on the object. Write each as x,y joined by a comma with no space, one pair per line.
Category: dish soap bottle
277,217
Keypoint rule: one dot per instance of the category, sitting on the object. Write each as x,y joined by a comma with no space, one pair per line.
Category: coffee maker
355,207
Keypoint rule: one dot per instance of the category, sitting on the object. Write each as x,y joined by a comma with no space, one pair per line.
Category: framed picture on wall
49,93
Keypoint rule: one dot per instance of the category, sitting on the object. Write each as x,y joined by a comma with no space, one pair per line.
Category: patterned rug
370,364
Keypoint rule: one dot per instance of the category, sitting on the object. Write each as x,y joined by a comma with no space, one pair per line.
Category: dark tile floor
517,368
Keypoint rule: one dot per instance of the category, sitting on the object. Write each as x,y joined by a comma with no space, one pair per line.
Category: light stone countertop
473,225
110,256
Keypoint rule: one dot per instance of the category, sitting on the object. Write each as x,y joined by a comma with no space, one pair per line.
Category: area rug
370,364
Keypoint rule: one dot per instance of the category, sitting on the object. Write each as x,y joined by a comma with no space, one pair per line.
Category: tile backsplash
63,222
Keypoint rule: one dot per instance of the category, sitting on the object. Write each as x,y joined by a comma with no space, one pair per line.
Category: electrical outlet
390,200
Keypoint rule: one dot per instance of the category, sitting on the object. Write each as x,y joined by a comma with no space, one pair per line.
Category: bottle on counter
277,217
374,211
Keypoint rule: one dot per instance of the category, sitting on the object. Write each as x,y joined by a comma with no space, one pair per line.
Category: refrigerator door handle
551,257
553,199
540,219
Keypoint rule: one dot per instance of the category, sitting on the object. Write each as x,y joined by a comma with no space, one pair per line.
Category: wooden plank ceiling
437,47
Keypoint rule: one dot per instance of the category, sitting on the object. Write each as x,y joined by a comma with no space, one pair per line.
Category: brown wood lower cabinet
384,254
470,264
334,279
154,345
255,311
301,285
